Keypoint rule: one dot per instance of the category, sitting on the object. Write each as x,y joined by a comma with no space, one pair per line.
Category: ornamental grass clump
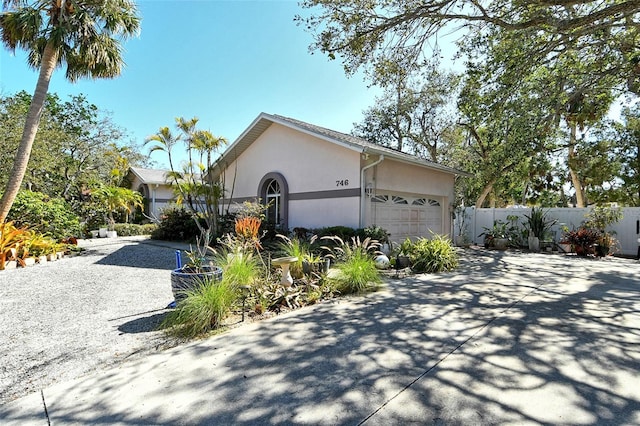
357,274
434,255
356,268
202,310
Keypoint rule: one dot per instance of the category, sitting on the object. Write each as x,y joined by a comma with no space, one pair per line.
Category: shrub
434,255
176,225
130,229
357,274
375,233
202,310
39,212
342,232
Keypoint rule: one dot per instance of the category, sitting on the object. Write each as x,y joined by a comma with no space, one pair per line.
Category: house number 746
342,182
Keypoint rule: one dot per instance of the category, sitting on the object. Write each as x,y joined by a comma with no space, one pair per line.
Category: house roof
264,121
151,176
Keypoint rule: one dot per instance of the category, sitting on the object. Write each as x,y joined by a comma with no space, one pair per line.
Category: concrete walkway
510,338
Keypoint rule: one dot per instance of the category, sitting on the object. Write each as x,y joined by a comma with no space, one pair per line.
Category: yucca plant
203,309
435,255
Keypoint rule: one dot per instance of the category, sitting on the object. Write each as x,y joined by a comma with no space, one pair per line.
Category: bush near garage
435,255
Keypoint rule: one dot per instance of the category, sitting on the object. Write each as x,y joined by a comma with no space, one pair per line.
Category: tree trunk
485,192
48,65
575,179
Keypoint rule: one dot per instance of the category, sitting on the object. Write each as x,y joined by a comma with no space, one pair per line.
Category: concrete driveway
509,338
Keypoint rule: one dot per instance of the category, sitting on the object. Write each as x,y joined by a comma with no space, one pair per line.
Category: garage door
404,216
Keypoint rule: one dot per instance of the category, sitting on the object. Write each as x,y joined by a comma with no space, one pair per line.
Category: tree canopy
77,146
369,33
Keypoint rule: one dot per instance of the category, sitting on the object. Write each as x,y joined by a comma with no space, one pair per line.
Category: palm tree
83,34
116,198
193,185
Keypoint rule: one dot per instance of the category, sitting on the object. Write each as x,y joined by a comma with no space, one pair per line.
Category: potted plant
600,218
403,259
564,244
197,270
583,240
538,225
604,244
497,236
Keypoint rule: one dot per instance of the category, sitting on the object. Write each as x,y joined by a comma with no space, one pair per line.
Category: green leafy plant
375,233
198,256
203,309
46,215
538,222
406,247
499,230
434,255
600,217
237,267
176,224
295,247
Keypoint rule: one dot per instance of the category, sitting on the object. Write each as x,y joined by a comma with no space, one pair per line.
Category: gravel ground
64,319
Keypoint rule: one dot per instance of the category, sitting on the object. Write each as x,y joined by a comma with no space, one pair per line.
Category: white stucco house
152,184
315,177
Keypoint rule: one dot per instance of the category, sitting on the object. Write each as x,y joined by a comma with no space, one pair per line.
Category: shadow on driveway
508,338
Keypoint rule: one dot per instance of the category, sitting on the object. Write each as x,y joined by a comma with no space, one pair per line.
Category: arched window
273,190
273,200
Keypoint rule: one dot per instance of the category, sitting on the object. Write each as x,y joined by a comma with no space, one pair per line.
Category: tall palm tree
83,34
193,185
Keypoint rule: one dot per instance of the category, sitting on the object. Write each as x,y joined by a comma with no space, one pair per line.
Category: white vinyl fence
626,230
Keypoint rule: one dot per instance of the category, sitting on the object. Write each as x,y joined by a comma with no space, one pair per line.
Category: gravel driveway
64,319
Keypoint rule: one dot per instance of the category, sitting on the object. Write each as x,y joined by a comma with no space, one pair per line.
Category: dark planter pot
602,251
402,262
182,280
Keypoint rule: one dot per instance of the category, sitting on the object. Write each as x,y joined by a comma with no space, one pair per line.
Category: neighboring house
152,184
315,177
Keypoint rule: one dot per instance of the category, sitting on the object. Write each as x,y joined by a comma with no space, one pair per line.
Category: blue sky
222,61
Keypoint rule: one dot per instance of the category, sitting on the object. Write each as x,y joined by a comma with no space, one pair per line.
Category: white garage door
404,216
